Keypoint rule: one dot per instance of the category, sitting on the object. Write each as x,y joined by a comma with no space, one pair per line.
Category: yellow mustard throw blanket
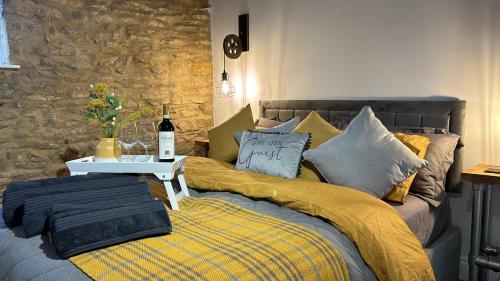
213,239
384,240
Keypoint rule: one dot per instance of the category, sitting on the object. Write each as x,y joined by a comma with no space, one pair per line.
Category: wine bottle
166,137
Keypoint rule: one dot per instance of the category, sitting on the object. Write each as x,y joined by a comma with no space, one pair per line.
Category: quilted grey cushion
429,184
286,127
366,157
273,154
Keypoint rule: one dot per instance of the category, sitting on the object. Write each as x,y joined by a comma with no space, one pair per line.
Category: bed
35,259
431,225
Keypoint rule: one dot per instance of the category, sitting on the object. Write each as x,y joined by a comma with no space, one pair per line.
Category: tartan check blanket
213,239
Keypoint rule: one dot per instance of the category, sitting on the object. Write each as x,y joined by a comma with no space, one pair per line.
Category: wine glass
128,138
146,135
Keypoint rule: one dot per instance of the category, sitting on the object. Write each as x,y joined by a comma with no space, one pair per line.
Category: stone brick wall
156,51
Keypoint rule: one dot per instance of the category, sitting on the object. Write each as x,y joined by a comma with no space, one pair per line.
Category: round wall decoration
232,46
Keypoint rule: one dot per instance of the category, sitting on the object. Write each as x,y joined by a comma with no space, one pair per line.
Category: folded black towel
61,210
37,205
92,229
13,195
81,186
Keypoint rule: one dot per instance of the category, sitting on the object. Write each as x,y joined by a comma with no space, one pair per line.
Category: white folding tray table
165,171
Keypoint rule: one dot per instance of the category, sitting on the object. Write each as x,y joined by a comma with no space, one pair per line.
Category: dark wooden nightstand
200,148
482,255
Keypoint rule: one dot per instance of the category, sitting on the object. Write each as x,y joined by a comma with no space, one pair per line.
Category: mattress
425,221
36,259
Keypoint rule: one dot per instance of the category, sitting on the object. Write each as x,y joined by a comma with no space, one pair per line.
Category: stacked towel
83,213
67,209
37,205
13,196
77,229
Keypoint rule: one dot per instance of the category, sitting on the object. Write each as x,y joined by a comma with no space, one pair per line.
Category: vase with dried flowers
105,108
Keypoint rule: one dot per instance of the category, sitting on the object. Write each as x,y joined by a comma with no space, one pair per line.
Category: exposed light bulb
225,90
225,87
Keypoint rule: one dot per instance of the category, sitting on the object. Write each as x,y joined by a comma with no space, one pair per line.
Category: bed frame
444,252
447,114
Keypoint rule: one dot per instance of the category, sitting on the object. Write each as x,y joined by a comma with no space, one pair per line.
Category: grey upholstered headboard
448,114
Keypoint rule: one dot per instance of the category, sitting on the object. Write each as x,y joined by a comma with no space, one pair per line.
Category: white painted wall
359,49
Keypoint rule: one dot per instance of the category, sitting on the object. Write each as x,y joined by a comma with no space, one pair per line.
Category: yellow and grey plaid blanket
215,240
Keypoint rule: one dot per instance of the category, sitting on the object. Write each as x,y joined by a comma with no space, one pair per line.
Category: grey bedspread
35,259
425,221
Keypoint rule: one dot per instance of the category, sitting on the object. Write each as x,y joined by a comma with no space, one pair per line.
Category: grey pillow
418,130
429,183
366,157
273,154
267,123
286,127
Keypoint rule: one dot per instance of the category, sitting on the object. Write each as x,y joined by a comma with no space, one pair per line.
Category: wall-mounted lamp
232,46
224,90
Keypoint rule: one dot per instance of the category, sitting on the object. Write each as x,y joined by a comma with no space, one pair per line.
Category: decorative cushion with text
285,127
273,154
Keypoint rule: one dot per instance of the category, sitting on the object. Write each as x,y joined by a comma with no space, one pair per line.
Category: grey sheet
425,221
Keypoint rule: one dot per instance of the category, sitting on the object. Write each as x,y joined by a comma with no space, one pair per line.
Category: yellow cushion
222,145
417,144
321,131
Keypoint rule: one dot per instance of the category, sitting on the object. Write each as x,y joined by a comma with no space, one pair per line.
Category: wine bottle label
166,145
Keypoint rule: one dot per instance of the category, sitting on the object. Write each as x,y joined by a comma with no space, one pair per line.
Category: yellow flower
100,88
96,103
